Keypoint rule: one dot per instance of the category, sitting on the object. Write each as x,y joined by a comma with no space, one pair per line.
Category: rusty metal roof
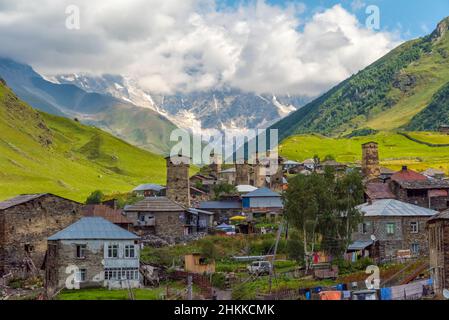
378,190
100,210
155,204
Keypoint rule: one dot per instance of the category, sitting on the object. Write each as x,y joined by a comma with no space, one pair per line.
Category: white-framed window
415,248
80,275
81,251
113,251
365,227
121,274
414,227
391,228
130,251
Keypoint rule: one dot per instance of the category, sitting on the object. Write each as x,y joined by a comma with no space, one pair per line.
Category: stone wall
402,239
438,234
178,183
370,160
61,263
27,227
242,173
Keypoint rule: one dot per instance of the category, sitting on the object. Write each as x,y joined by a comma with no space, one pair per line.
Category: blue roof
228,204
261,192
93,228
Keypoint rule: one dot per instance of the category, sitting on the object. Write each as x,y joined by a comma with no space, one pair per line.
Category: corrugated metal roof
100,210
197,211
149,186
155,204
245,188
93,228
394,208
230,170
359,245
442,216
205,205
262,192
378,190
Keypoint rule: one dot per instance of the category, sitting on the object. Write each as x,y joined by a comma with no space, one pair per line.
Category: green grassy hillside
45,153
385,96
395,150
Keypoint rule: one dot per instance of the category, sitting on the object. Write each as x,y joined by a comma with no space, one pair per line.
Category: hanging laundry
330,295
385,294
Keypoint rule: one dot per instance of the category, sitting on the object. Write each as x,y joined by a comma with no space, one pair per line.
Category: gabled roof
394,208
433,172
100,210
245,188
93,228
155,204
378,190
291,162
198,211
25,198
149,186
261,192
406,175
441,216
230,170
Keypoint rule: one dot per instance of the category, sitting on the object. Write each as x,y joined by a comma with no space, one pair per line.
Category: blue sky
411,18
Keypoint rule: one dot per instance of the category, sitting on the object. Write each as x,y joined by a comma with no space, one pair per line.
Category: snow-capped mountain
214,109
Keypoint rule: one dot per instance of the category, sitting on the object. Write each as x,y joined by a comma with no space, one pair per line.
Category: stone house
415,188
92,252
25,223
262,202
438,232
162,217
150,190
392,225
228,176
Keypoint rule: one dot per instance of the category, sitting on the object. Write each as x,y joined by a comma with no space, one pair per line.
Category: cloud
171,45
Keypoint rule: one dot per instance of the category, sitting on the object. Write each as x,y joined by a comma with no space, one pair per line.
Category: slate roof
149,186
442,216
394,208
225,204
261,192
425,184
154,204
90,228
23,199
433,172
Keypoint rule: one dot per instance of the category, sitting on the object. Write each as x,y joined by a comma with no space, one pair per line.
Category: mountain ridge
384,96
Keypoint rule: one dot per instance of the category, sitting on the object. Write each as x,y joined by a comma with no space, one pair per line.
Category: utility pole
189,288
278,237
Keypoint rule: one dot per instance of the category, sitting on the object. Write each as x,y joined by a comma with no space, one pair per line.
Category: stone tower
178,183
242,173
370,160
215,164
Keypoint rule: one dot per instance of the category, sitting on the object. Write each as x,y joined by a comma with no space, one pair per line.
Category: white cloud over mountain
172,45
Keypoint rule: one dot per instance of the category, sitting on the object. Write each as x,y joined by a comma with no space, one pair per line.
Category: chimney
404,168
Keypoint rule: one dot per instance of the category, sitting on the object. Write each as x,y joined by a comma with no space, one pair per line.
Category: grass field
394,149
44,153
104,294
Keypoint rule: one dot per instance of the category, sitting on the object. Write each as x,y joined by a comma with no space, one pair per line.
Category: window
142,218
113,251
415,248
365,227
391,228
80,276
414,227
28,248
81,251
121,274
130,251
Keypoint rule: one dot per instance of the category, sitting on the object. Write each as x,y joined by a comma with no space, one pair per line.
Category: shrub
219,280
